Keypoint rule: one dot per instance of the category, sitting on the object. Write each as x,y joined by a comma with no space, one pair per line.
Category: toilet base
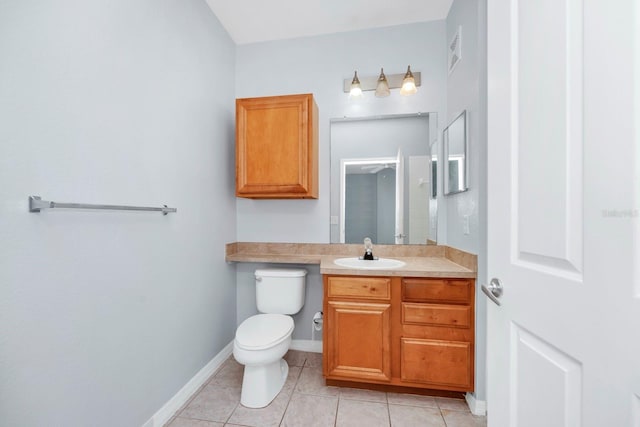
262,383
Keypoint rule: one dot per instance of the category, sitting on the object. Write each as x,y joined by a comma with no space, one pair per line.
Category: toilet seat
263,331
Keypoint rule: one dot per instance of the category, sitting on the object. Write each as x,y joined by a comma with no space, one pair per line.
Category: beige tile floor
305,401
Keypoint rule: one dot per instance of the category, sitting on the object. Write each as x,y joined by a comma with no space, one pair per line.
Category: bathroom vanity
403,331
407,328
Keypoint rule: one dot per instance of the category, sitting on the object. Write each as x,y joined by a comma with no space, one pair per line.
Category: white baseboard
477,407
165,413
306,345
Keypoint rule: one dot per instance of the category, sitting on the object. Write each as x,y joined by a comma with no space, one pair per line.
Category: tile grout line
293,390
335,420
444,420
441,414
386,398
388,411
232,412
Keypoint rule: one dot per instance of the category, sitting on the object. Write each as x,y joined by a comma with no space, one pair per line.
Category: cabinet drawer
458,316
359,287
447,290
436,362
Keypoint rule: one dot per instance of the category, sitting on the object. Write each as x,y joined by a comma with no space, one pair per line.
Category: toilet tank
280,290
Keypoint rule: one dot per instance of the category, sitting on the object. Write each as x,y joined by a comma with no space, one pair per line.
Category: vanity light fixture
383,83
382,88
355,91
408,83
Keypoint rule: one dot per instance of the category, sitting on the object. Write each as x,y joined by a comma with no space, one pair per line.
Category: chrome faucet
368,250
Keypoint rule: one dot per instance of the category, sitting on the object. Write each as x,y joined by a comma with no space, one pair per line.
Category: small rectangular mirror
454,140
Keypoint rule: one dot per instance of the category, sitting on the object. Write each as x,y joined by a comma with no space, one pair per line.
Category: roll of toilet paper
317,321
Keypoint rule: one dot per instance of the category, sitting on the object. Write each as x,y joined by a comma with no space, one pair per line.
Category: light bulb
356,90
408,83
382,88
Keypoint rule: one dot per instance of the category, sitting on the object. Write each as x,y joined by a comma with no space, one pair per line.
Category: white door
564,213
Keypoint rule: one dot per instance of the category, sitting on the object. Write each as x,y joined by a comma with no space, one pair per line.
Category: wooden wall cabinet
411,332
277,147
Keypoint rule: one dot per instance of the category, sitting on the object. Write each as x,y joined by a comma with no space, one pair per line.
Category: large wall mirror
454,141
382,179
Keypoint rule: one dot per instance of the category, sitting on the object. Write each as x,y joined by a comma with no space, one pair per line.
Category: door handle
494,290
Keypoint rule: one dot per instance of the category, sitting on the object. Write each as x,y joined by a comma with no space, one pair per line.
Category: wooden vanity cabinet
411,332
277,147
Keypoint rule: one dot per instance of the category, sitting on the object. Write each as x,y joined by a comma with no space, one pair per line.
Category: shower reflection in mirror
454,140
371,199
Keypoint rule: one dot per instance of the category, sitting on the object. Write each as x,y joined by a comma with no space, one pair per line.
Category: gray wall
104,316
466,90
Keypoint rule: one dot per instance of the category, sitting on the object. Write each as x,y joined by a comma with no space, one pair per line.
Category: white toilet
262,340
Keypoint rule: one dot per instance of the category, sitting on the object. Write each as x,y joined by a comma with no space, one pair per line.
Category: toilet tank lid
281,272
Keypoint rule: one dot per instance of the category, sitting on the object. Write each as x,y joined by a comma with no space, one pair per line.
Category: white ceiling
250,21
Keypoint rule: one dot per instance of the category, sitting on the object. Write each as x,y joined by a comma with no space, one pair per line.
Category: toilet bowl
261,342
263,339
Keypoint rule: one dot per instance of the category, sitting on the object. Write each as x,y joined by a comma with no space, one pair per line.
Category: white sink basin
377,264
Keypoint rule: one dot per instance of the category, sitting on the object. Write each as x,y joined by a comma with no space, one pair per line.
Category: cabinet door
276,147
358,344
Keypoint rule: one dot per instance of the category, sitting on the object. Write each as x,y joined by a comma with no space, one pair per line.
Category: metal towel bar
36,204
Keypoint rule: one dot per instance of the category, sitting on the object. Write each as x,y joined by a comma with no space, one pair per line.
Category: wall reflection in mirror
454,141
382,179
